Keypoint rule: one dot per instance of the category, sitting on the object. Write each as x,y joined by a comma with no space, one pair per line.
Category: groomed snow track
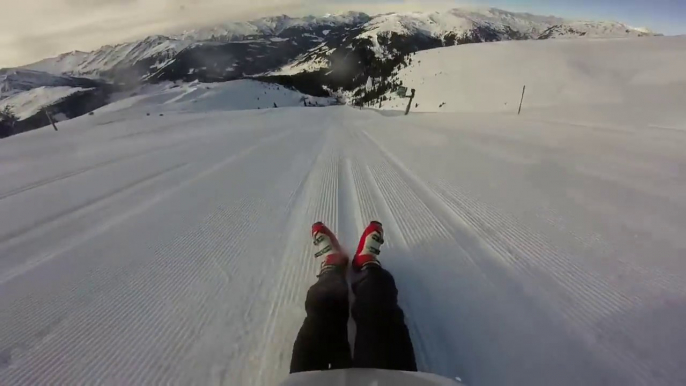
525,253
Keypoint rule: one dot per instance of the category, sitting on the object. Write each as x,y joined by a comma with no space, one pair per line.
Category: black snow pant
382,340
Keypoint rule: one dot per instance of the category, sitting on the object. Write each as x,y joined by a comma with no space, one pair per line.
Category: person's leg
383,340
322,342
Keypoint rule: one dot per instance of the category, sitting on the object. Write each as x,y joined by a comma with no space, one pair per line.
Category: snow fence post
409,104
521,101
50,119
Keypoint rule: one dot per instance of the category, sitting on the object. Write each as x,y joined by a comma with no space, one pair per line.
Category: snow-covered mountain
501,24
271,26
151,52
15,81
318,55
143,58
590,29
28,92
458,22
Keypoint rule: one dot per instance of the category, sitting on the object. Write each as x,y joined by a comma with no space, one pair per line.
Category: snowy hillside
14,81
157,49
590,29
578,79
66,63
29,103
28,92
205,97
458,21
509,25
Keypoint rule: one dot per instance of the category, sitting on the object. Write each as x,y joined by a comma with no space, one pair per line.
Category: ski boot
369,248
328,247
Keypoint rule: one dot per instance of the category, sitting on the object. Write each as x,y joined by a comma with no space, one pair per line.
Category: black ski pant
382,340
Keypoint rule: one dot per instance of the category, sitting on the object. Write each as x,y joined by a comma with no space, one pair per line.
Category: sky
36,29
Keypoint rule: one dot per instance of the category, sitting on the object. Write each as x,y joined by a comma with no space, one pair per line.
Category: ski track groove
664,281
290,204
245,314
32,263
88,321
439,236
396,236
77,172
586,305
582,285
7,240
298,265
114,307
403,226
27,336
367,193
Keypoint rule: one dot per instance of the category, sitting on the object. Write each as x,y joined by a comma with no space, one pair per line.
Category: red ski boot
369,248
328,246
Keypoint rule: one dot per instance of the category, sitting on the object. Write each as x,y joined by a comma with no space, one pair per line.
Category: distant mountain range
316,54
260,42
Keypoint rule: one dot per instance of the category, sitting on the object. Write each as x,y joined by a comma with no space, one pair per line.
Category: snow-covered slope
27,92
205,97
593,29
643,78
29,103
175,248
14,81
459,21
66,63
159,49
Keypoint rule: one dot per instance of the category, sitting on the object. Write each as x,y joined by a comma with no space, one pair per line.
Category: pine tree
7,121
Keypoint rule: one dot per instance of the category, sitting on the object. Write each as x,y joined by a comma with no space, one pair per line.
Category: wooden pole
409,104
521,101
50,119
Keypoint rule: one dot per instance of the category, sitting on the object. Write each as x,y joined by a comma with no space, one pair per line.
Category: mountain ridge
329,55
158,49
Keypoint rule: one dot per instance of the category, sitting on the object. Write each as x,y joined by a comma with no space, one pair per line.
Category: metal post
409,104
50,119
521,101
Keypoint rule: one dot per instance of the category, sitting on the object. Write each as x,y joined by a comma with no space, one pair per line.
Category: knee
327,297
375,283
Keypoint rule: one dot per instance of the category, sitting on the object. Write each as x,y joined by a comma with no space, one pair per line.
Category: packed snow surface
206,97
627,81
175,249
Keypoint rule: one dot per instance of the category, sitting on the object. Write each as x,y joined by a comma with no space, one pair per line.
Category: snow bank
610,79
